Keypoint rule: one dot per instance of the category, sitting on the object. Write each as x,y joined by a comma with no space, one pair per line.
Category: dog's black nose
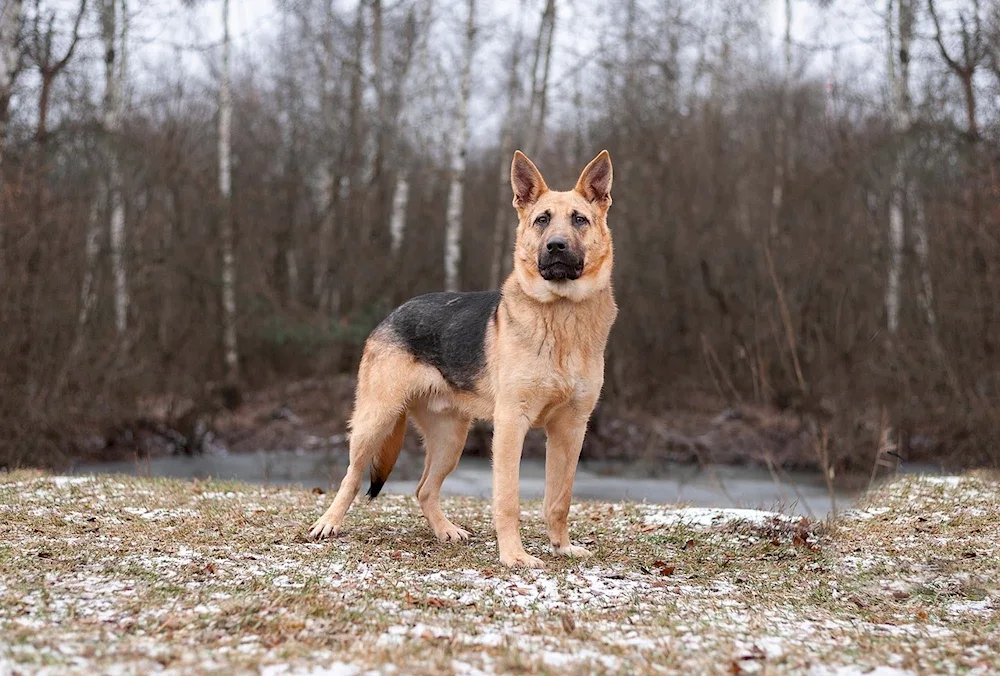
556,244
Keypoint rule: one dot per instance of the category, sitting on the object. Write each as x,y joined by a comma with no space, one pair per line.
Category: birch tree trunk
781,130
226,213
397,221
114,72
401,191
899,84
453,232
906,200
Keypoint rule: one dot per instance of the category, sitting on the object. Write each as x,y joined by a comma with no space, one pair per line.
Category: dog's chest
562,371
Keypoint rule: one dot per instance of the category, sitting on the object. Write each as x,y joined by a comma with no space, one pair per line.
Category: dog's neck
599,305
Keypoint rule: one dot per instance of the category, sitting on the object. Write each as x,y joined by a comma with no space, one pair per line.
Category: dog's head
563,246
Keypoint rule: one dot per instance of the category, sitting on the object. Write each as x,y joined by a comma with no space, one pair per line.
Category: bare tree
226,210
899,73
460,146
381,99
49,67
331,170
413,48
542,59
355,152
502,222
781,129
114,76
11,19
110,194
974,53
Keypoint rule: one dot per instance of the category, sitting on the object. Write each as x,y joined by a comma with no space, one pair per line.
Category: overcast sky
845,44
850,34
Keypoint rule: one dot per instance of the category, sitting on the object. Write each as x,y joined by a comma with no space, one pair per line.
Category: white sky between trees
844,43
855,24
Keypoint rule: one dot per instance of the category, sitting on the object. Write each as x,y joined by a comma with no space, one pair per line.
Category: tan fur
544,368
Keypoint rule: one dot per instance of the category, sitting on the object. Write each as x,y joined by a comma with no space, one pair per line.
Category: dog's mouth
558,271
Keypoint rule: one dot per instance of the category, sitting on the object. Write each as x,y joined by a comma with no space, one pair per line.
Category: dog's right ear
526,181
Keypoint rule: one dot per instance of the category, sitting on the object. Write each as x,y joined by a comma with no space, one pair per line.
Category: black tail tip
376,487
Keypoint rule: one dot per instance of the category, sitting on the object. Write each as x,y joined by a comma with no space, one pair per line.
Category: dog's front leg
562,453
509,428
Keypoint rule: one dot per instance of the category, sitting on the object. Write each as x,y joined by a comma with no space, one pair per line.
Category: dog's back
445,330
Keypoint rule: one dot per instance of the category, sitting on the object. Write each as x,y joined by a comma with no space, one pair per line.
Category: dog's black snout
556,244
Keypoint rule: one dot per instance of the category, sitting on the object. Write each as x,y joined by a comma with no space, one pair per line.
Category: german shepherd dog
528,356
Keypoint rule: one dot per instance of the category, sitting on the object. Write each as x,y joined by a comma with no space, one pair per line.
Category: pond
700,486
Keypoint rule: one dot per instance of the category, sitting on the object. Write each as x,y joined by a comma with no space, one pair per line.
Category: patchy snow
333,669
63,481
142,576
707,517
948,481
852,670
564,660
982,607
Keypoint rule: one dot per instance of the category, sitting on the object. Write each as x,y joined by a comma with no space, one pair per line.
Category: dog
528,356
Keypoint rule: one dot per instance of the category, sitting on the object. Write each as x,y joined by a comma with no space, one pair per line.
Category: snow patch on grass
140,576
706,517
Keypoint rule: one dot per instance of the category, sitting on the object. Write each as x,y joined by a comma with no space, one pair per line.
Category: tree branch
74,41
954,65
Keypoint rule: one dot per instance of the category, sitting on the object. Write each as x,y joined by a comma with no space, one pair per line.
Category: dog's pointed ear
526,181
595,181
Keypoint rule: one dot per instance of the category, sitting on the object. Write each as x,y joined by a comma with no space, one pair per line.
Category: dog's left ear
595,181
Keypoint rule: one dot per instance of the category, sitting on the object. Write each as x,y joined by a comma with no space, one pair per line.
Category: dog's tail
386,457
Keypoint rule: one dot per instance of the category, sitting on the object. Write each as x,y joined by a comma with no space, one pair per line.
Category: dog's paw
571,551
446,531
521,559
324,528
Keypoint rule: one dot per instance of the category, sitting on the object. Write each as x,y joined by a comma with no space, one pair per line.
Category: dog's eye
579,219
542,220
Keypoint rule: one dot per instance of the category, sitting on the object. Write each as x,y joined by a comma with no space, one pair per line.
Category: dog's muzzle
558,262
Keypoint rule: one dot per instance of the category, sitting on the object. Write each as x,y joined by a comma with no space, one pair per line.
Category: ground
121,575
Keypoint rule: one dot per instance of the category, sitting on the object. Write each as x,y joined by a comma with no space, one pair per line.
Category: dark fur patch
448,331
375,487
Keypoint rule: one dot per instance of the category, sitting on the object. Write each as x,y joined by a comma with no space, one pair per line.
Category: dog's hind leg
444,437
378,420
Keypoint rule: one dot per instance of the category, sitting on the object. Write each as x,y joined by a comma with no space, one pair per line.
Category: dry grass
139,575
